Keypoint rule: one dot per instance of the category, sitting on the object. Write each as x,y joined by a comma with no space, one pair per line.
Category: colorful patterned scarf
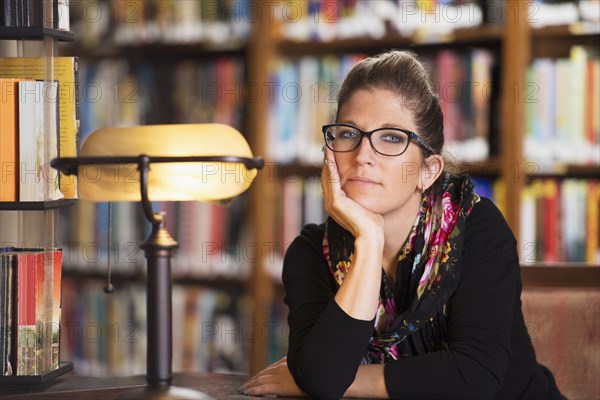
431,252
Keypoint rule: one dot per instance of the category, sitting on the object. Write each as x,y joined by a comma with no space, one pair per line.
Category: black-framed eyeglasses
343,138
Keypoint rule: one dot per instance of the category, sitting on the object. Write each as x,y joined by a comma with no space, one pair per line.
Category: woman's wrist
371,242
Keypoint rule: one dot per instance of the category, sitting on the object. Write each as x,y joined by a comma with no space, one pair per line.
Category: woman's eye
392,138
348,134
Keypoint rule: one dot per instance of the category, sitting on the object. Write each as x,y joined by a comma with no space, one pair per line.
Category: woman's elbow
318,384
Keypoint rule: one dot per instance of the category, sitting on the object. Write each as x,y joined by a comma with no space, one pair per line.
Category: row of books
106,335
563,12
30,301
298,201
305,94
115,92
29,140
493,189
304,99
213,239
328,20
35,13
423,20
563,109
559,221
138,22
39,121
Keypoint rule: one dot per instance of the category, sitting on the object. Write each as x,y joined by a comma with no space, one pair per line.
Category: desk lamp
202,162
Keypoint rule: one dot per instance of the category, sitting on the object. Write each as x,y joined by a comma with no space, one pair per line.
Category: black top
489,352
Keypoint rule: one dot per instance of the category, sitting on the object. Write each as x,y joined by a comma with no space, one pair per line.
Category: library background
519,83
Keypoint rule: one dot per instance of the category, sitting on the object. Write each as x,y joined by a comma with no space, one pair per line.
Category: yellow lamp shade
171,181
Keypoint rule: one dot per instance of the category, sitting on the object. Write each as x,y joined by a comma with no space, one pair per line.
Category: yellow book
65,72
9,133
499,194
593,214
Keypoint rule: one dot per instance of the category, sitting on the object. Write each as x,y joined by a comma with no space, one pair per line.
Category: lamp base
166,393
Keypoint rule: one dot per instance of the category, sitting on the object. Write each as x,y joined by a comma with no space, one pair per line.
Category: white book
64,23
527,224
31,140
38,140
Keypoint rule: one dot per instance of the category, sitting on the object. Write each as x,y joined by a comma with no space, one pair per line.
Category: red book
551,221
30,284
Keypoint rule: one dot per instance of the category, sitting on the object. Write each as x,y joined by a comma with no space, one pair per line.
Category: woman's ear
431,170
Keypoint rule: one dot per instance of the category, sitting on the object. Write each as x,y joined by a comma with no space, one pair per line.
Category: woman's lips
362,181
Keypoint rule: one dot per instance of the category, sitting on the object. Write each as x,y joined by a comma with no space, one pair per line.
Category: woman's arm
369,383
359,295
276,379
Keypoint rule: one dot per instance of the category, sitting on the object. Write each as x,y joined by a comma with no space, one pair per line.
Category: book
5,315
32,14
56,259
65,72
9,130
62,19
31,140
31,318
10,13
592,253
38,101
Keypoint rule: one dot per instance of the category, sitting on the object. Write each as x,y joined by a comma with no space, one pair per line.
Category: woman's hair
402,73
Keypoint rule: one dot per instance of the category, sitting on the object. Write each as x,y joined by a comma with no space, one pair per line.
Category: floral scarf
429,261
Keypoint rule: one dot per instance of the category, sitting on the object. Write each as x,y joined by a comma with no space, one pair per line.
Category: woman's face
381,184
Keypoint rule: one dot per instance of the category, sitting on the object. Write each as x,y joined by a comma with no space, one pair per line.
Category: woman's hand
276,379
348,213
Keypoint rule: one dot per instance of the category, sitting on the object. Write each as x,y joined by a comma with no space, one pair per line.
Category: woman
411,289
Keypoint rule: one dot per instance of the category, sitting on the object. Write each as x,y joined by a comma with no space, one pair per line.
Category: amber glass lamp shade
167,181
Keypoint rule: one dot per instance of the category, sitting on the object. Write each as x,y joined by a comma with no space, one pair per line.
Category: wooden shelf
490,34
566,31
34,33
567,171
156,50
556,41
27,380
35,205
560,275
138,276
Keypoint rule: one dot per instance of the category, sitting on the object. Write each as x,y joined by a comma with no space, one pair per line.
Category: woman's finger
263,390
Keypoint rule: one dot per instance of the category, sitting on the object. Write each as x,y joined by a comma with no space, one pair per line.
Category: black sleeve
480,316
325,344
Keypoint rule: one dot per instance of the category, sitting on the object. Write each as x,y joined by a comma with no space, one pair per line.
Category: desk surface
219,386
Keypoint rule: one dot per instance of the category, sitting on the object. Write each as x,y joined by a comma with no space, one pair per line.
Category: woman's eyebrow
385,125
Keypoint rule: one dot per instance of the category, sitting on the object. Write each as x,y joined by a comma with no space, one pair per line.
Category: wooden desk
219,386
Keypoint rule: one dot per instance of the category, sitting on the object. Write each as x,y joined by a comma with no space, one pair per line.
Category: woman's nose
365,152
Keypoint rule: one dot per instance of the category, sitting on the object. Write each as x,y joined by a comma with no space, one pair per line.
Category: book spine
10,13
31,140
63,15
9,130
32,13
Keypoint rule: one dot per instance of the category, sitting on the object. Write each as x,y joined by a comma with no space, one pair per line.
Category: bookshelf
31,197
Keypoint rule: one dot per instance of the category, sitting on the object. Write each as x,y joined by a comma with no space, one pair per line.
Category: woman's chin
366,200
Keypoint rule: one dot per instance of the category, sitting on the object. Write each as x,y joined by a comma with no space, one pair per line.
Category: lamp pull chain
108,289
